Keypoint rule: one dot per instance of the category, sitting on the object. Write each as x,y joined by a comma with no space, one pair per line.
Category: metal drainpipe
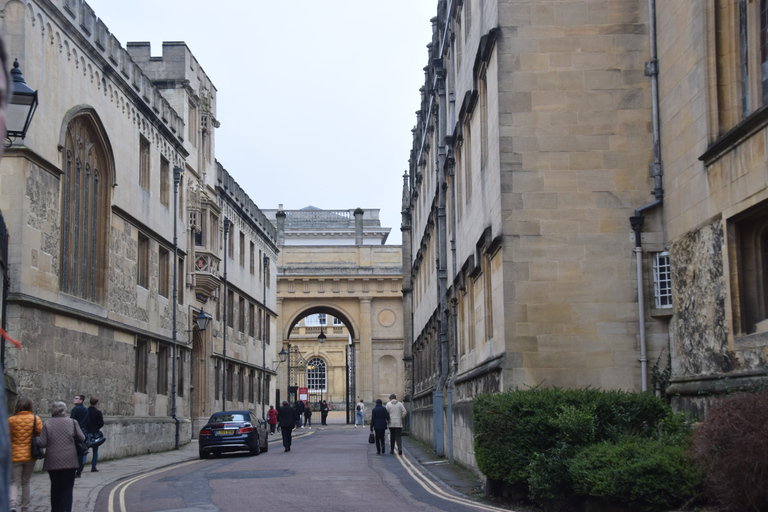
442,268
656,172
454,304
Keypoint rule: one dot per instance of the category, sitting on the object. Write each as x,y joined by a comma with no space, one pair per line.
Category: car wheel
256,450
265,449
203,454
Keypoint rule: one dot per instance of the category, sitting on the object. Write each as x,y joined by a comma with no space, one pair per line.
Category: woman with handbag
23,427
59,436
95,437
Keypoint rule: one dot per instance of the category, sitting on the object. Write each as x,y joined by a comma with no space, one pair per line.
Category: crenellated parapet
237,199
72,28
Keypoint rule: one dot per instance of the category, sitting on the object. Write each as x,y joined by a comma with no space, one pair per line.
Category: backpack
358,407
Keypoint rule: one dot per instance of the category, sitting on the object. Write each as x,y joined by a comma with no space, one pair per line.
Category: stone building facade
713,82
542,130
103,244
531,152
333,266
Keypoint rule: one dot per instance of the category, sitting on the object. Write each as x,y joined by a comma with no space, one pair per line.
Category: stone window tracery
85,212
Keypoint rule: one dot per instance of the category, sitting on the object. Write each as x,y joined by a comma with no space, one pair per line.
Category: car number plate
224,432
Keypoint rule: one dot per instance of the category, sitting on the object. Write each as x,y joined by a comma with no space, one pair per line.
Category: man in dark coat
287,418
299,413
94,422
323,412
80,415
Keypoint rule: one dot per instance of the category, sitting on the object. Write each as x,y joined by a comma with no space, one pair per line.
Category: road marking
434,490
124,485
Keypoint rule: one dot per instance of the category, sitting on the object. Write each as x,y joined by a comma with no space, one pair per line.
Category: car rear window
228,417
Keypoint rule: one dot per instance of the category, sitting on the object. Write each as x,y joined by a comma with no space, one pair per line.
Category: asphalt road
333,469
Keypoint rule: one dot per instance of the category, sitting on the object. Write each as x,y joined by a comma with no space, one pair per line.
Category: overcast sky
316,99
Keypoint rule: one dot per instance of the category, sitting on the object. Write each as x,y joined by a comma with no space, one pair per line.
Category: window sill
736,135
662,312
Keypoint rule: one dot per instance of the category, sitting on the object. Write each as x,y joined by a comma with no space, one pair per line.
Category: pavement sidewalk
88,487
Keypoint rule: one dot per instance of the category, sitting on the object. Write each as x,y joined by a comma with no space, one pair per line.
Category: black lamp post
177,172
227,224
21,107
264,327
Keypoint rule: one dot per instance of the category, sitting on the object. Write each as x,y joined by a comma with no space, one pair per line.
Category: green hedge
528,439
644,474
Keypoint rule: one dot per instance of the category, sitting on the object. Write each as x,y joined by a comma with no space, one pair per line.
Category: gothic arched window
316,374
85,211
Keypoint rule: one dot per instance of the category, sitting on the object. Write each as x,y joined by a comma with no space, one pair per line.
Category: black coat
379,417
300,407
80,415
95,420
287,416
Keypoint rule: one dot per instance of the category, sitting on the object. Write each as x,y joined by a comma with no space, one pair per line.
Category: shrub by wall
732,447
511,427
528,439
636,473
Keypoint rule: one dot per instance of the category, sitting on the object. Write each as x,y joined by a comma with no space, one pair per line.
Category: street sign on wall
303,394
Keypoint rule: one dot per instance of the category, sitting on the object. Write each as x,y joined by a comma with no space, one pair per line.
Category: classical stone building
336,276
531,152
110,261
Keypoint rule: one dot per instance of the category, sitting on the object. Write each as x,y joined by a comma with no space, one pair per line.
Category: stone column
364,362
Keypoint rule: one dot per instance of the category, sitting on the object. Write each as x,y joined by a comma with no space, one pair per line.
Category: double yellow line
120,488
434,490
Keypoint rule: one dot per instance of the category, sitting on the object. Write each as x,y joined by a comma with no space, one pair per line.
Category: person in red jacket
272,419
22,426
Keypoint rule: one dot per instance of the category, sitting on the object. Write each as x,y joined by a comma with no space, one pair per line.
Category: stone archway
362,287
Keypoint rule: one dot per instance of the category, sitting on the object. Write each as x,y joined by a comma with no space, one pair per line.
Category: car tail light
205,432
245,430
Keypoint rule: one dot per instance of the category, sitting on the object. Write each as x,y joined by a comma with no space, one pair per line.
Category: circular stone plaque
387,318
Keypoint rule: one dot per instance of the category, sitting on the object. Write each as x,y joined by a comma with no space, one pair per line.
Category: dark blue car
233,431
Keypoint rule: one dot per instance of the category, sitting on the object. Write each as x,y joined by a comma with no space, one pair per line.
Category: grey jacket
397,414
57,438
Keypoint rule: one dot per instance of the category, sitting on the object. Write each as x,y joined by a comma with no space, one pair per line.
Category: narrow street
329,468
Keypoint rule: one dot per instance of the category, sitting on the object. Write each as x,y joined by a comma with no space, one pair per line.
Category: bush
732,447
512,428
644,474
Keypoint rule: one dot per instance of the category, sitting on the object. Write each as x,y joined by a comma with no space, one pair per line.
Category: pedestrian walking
360,413
287,416
61,460
299,413
94,423
308,415
272,419
80,415
397,414
324,413
22,426
379,420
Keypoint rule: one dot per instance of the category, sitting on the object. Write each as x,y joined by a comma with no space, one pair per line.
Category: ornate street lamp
21,106
202,320
321,337
283,355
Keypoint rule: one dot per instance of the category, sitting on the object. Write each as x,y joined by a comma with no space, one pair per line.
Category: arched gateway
336,277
